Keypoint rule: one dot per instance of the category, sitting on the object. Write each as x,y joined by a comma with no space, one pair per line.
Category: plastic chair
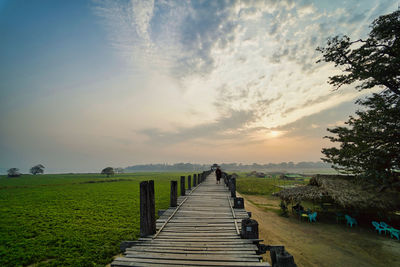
395,233
350,220
378,227
386,227
313,217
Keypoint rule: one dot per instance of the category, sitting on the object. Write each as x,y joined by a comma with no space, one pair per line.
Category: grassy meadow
263,186
72,219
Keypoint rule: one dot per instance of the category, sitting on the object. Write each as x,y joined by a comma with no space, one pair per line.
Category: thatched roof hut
343,191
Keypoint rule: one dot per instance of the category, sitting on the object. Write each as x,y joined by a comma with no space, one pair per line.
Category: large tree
37,169
374,61
108,171
370,141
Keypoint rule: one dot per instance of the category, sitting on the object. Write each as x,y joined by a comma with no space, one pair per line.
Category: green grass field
74,219
263,186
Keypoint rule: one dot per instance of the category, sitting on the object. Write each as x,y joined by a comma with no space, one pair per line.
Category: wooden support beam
233,187
194,181
182,185
190,182
147,209
174,194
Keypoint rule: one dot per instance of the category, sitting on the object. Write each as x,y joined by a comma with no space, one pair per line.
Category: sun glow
274,134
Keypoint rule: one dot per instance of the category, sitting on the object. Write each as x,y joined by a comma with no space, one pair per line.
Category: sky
90,84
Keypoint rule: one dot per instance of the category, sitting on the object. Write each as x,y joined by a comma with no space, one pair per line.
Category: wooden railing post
232,186
194,181
174,194
182,185
152,208
147,209
249,229
189,183
195,178
238,203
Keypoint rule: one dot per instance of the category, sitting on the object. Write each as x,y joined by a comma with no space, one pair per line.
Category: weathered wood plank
193,257
200,250
132,261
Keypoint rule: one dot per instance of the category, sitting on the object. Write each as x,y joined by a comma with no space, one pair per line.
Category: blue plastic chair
350,220
313,216
395,233
386,227
378,227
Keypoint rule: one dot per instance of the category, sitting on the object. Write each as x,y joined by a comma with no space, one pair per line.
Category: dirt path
321,244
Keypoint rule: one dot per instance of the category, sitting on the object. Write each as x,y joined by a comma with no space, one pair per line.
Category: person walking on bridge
218,174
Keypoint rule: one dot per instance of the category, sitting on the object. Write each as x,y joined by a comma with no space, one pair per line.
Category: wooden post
194,181
238,203
152,208
144,225
195,178
147,209
233,187
182,185
189,182
280,257
199,178
174,194
249,229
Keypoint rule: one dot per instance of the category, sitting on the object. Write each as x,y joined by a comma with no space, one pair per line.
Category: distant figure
218,173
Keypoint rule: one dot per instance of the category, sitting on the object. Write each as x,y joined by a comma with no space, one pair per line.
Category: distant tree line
37,169
228,166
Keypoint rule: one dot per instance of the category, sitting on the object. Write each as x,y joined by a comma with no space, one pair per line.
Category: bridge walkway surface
203,230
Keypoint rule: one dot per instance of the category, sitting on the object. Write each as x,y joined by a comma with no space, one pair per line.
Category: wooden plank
132,262
194,257
194,250
199,245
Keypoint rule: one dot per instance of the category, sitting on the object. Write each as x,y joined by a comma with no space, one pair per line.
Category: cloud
250,63
230,126
315,125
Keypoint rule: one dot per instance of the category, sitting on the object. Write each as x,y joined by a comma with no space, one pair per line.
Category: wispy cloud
241,65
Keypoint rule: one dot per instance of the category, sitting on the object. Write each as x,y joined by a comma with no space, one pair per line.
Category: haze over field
89,84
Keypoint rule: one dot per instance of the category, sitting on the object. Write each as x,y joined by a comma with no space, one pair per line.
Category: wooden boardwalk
204,230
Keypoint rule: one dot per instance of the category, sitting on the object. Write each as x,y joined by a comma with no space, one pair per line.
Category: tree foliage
37,169
13,172
108,171
370,143
372,62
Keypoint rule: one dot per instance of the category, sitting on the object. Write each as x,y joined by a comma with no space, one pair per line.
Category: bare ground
322,244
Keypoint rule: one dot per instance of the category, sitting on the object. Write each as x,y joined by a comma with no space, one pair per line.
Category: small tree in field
38,169
108,171
13,172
